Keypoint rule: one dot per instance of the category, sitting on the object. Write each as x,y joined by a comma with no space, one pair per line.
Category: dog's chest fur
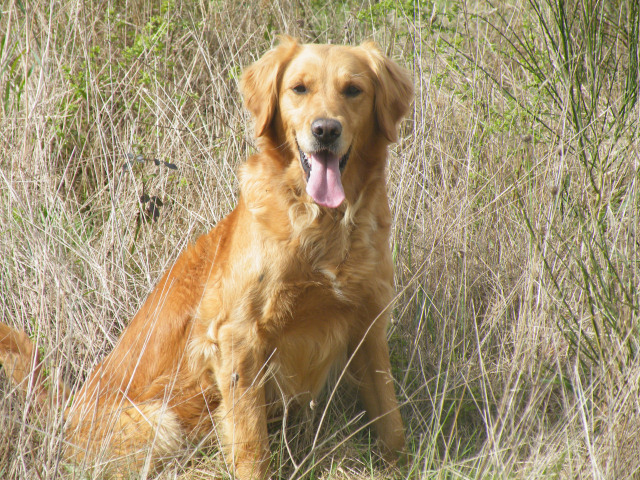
314,313
299,305
306,324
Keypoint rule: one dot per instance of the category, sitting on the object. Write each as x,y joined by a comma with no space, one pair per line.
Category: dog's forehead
341,60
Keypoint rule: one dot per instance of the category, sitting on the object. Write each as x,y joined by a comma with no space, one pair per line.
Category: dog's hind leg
122,437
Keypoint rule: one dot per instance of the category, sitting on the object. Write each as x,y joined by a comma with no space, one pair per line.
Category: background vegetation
514,190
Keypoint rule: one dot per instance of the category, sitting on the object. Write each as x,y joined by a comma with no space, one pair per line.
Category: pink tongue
324,183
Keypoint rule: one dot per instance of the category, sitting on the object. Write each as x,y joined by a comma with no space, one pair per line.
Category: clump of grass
513,189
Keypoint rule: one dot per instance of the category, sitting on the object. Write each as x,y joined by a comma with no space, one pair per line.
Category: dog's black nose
326,130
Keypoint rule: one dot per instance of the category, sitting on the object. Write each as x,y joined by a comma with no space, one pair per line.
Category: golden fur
281,291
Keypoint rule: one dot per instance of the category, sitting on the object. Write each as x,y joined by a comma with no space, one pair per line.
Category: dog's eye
300,89
352,91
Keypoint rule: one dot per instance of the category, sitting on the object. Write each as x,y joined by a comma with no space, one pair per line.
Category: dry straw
514,191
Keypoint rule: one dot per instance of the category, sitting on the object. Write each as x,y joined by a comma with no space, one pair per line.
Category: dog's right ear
260,81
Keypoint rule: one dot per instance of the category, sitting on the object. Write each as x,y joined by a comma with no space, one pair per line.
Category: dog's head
326,107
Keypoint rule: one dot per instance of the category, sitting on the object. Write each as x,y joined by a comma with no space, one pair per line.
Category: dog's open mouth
323,169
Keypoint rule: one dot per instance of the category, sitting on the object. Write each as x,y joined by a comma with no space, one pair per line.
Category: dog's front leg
372,369
239,375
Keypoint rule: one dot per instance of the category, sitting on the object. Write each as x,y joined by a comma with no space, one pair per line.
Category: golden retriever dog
296,281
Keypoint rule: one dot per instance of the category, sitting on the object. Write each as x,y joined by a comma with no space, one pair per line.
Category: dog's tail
23,364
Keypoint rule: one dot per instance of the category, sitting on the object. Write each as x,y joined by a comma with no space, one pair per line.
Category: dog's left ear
394,91
259,83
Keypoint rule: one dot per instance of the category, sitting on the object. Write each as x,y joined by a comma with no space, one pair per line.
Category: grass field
514,190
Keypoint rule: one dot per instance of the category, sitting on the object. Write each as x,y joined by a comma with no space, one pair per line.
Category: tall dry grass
514,191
